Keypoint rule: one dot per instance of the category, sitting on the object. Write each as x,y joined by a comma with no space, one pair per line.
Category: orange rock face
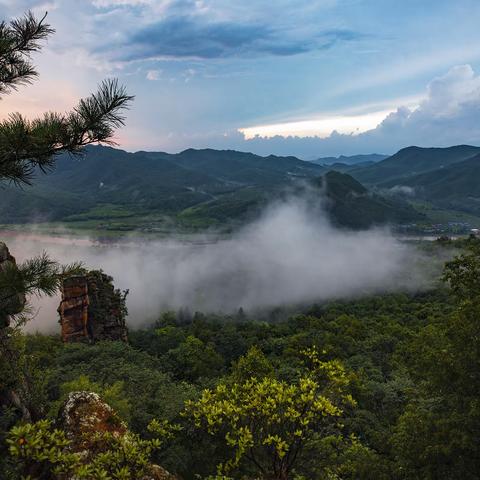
91,309
73,309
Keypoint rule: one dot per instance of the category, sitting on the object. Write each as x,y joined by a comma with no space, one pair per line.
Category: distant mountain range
195,189
108,188
351,160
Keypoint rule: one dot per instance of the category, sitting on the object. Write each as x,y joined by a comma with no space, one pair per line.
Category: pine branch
27,145
37,276
18,40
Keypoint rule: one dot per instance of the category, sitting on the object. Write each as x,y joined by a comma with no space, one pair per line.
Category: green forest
384,387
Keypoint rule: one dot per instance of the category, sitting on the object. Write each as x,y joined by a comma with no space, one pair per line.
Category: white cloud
447,97
450,111
321,127
188,74
403,190
449,114
153,75
449,94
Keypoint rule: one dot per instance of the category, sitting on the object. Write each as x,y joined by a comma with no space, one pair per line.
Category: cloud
17,8
256,268
197,37
449,114
153,75
403,190
121,3
321,127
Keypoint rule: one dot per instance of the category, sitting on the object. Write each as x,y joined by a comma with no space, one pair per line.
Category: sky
309,78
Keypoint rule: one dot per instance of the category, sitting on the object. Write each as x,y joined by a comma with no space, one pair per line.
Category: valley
109,193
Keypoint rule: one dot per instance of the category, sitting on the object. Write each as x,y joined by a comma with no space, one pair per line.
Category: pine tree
27,148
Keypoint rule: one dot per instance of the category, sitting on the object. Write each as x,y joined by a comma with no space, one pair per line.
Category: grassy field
438,215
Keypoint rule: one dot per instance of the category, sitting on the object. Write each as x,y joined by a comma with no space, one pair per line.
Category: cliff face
11,302
92,309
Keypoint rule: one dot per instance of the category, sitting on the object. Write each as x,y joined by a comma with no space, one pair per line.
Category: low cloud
403,190
292,255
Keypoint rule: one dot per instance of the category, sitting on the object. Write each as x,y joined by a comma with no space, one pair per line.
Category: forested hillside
385,364
350,204
412,161
437,181
455,186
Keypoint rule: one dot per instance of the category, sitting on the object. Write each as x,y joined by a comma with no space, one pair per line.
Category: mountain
455,187
350,160
352,205
345,168
412,161
154,191
145,182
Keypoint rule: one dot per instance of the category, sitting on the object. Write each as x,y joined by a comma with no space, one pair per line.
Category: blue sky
308,78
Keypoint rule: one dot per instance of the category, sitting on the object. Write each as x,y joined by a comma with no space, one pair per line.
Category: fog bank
291,255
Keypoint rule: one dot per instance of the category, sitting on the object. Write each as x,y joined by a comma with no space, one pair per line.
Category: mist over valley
292,255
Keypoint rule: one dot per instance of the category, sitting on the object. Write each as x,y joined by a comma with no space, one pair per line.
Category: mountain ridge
402,163
196,188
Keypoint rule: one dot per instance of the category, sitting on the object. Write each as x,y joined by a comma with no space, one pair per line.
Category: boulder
83,415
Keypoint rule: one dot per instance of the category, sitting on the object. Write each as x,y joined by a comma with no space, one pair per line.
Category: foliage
254,364
45,450
437,434
26,147
114,395
268,422
194,360
413,367
42,448
36,276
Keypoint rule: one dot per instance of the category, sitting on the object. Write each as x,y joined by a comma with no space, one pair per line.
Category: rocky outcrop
92,309
83,416
11,302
